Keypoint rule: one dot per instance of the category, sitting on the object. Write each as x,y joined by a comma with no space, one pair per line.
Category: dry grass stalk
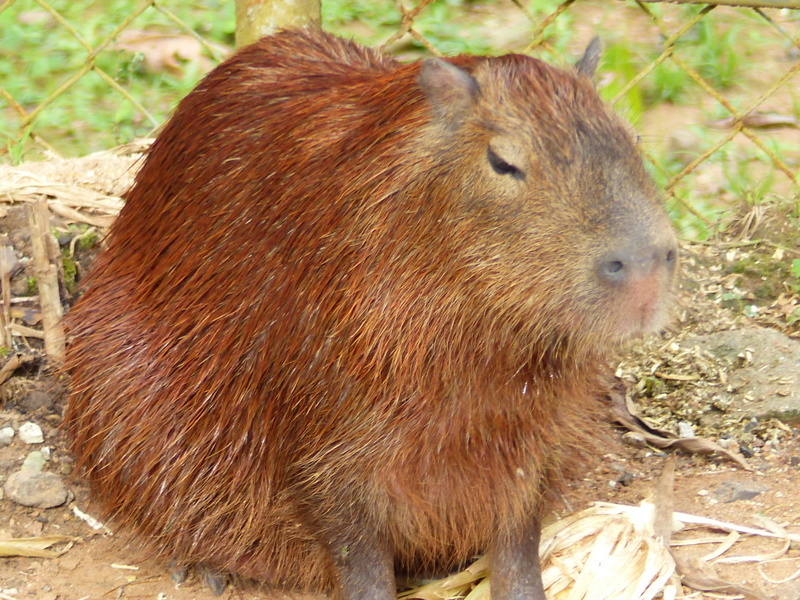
610,552
5,314
605,552
65,200
81,190
46,256
36,547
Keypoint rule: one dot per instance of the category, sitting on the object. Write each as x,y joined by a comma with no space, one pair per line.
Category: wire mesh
710,87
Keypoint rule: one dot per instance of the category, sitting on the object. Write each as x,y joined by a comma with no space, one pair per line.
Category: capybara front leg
364,567
516,572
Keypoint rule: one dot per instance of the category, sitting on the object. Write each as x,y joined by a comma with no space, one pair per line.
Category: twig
14,363
5,315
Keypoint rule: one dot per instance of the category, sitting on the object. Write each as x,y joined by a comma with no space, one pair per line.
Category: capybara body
354,314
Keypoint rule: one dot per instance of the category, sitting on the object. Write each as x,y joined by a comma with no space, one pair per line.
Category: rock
31,433
35,400
39,490
34,462
685,430
625,478
6,436
634,439
13,266
20,287
766,382
732,490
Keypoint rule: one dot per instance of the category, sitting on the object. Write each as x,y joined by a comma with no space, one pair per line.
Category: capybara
355,314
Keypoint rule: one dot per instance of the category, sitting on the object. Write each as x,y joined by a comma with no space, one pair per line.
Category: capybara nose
633,261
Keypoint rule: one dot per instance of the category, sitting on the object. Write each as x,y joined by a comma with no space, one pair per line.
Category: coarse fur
323,311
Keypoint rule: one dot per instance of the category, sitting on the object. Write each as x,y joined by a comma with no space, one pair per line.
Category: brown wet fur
323,316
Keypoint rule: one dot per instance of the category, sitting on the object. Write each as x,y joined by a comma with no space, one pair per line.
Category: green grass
39,54
374,21
91,116
619,63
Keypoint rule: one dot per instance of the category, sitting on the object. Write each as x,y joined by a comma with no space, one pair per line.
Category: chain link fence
711,88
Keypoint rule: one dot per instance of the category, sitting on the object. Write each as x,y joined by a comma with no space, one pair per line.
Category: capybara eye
501,167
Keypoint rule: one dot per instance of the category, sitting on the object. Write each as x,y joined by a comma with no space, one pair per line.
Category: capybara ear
587,65
451,91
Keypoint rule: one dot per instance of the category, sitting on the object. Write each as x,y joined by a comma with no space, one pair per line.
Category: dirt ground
100,565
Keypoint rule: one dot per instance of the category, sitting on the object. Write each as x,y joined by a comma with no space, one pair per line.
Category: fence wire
711,87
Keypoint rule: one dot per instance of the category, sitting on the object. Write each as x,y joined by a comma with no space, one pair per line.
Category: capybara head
354,313
555,215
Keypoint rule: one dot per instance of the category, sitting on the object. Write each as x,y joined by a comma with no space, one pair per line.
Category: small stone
34,462
626,478
6,436
31,433
178,573
732,491
13,265
35,400
634,439
19,287
685,430
39,490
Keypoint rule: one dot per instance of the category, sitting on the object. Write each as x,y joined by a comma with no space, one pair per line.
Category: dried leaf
35,547
701,576
664,503
166,52
723,546
13,363
700,446
31,316
759,558
725,526
454,585
624,413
